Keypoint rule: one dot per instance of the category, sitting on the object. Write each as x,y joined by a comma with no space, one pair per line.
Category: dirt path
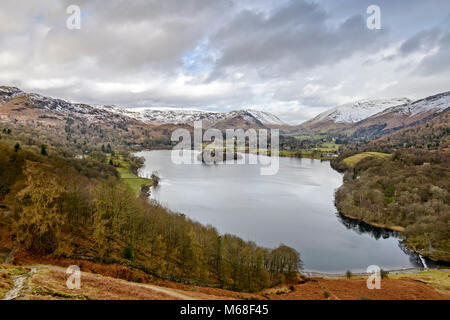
48,281
166,291
20,282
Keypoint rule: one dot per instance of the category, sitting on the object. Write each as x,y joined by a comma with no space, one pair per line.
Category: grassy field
353,160
328,147
306,137
129,178
439,279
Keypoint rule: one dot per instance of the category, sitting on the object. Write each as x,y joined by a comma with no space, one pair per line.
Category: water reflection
361,227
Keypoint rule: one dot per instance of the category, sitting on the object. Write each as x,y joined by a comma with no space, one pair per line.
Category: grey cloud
128,35
289,57
438,62
422,41
292,38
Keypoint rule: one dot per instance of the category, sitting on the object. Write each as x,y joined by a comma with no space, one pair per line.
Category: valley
394,160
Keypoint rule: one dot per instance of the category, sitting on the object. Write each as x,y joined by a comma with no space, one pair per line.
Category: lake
294,207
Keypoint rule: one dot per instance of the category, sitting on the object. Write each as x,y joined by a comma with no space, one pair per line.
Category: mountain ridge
189,116
151,116
358,110
392,115
401,116
363,119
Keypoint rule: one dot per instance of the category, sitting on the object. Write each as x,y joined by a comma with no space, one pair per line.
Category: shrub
348,274
44,150
156,179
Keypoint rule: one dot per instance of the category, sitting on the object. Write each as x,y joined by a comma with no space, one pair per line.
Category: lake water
294,207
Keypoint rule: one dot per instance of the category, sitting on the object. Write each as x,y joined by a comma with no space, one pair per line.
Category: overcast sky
292,58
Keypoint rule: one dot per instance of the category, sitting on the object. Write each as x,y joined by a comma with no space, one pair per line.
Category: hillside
99,282
371,119
344,116
189,116
71,127
433,135
410,190
402,116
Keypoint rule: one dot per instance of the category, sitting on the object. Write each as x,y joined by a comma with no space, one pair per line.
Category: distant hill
359,110
371,119
60,122
343,116
89,127
57,122
189,116
401,116
431,134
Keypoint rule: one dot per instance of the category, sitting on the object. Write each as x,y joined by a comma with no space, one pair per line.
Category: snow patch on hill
189,116
436,103
359,110
8,93
146,115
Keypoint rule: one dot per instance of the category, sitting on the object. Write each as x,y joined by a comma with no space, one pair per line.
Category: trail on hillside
155,288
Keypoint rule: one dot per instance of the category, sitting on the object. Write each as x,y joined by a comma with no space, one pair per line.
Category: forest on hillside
59,206
408,189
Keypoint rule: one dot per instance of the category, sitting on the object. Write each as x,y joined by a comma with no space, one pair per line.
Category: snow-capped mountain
359,110
366,119
21,106
436,103
375,117
266,117
51,107
189,116
401,116
8,93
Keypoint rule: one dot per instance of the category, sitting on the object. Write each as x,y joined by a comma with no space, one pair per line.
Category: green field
353,160
129,178
307,137
328,147
440,279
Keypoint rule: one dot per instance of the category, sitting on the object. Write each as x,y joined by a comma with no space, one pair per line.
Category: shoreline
400,230
323,274
374,224
281,154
